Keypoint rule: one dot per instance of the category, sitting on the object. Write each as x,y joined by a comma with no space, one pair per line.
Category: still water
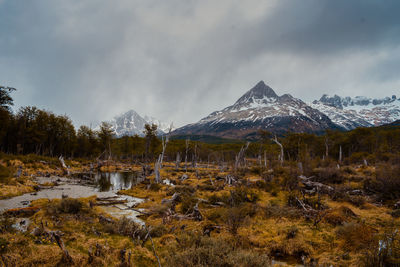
115,181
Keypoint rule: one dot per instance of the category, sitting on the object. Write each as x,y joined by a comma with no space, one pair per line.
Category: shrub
385,251
5,174
216,214
275,211
292,232
386,183
66,205
355,235
215,198
3,245
124,226
6,224
328,175
395,213
188,202
154,187
158,230
236,216
195,250
70,205
241,195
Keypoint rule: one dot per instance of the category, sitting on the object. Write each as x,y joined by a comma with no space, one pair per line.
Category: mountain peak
259,91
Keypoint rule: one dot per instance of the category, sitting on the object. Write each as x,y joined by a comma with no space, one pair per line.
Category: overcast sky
181,60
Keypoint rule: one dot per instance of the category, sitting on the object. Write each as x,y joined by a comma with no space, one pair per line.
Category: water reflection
114,181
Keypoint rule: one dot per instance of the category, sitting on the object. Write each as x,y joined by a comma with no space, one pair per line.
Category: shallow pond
103,185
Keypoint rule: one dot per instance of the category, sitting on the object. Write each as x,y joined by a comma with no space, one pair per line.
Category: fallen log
110,202
175,198
313,187
66,257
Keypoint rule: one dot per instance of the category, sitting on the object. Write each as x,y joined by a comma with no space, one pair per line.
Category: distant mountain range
261,108
131,123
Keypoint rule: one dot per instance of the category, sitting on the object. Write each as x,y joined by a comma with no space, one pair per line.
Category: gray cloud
181,60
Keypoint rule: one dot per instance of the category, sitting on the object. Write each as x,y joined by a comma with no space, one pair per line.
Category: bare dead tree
340,153
186,153
281,155
300,166
265,158
194,159
178,161
211,181
326,147
240,156
63,165
157,167
164,141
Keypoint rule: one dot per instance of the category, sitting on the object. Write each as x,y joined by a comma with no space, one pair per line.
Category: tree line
35,131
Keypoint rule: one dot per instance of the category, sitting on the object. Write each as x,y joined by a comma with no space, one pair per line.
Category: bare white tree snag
326,147
157,167
184,177
186,153
340,154
164,141
240,156
178,161
63,165
281,155
300,166
212,183
230,179
265,158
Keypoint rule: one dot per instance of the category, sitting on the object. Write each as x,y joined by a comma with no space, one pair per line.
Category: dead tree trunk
66,257
326,148
194,159
240,156
340,154
186,153
178,161
265,159
157,167
152,244
281,155
63,165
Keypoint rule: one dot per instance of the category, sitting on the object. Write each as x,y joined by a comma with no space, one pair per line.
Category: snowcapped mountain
163,126
131,123
359,111
261,108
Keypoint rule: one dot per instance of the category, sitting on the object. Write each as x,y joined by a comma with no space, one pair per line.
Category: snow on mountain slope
131,123
359,111
163,126
261,108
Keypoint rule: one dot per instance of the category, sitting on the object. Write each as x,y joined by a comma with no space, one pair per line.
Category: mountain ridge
261,108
